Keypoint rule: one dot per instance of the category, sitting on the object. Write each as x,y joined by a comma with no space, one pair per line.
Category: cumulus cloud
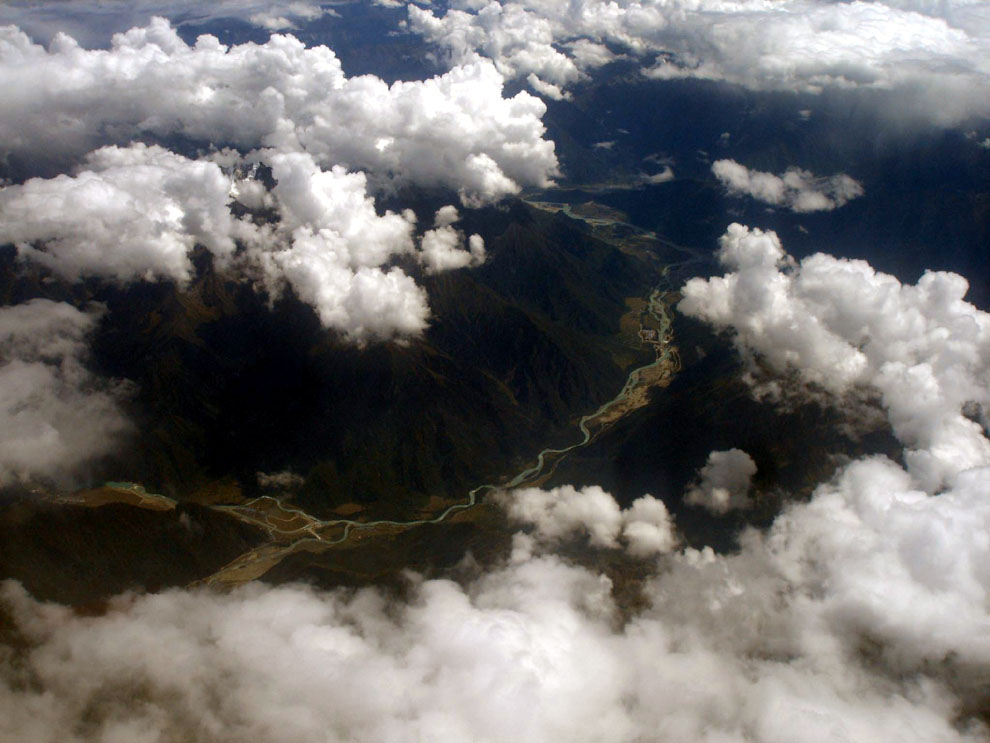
646,527
810,46
442,248
333,248
137,212
723,483
901,565
843,327
554,92
128,213
937,54
366,302
588,54
334,205
55,415
454,131
795,189
653,179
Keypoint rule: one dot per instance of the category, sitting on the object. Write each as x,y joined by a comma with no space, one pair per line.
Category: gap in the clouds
937,178
514,349
17,167
218,343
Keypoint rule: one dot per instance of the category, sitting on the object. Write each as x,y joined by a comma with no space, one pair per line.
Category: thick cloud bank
860,616
796,189
55,415
845,328
937,52
455,131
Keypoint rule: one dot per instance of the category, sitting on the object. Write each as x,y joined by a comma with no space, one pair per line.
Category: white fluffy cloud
795,189
137,212
936,52
809,46
128,213
902,567
844,327
645,527
333,248
455,131
442,248
366,302
723,483
520,42
55,415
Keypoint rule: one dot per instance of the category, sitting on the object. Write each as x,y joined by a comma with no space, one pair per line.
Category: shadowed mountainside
229,386
75,554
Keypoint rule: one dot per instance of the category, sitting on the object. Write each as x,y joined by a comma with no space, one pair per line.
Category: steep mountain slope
229,386
76,554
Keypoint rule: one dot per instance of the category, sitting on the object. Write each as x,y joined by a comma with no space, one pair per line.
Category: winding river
291,529
266,511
